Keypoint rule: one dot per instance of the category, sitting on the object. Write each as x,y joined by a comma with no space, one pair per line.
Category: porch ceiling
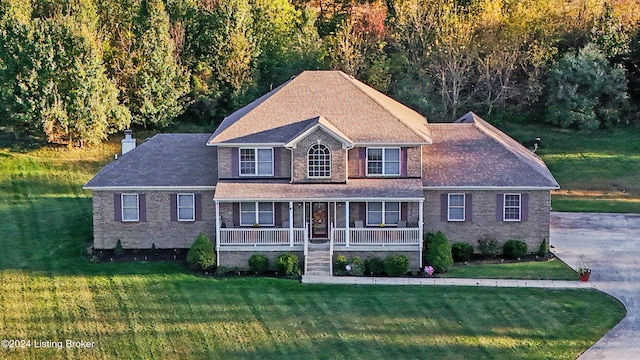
355,189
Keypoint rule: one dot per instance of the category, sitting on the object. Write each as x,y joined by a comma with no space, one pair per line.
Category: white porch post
421,226
290,223
218,230
346,223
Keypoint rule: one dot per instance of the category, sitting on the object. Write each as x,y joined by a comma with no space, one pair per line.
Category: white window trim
463,207
255,161
384,152
257,213
504,207
137,219
193,207
384,211
309,167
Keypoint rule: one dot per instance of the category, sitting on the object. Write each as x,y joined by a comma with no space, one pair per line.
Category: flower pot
585,277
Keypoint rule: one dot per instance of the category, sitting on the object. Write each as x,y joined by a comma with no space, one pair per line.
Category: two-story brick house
320,166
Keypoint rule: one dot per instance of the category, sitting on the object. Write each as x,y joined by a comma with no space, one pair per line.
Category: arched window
319,161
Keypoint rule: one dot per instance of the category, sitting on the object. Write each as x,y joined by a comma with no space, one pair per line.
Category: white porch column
290,223
217,230
346,222
421,226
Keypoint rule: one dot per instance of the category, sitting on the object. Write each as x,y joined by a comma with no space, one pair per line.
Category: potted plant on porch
584,273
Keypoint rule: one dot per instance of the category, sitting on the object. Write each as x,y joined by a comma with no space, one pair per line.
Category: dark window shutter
444,207
173,205
235,159
524,207
403,162
236,214
198,204
277,155
363,162
117,207
277,213
468,207
499,207
404,209
142,204
362,207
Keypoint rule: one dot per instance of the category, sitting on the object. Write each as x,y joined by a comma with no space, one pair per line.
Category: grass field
598,170
49,292
553,269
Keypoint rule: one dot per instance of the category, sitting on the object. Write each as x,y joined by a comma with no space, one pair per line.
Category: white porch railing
260,236
378,236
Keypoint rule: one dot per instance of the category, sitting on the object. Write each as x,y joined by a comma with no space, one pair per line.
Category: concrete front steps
318,260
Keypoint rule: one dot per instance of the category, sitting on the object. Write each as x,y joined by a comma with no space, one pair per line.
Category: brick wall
227,155
158,229
240,259
484,222
338,162
413,256
413,162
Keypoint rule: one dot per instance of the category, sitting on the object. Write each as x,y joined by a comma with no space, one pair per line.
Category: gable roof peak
358,111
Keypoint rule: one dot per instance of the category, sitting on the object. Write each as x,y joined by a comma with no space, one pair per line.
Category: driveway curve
609,244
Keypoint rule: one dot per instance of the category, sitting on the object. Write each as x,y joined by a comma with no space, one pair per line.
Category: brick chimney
128,143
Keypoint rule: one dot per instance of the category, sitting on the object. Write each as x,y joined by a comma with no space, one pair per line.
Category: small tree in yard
201,255
439,253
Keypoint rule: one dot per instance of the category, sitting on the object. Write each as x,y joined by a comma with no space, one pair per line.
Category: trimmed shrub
543,250
514,249
488,246
201,255
258,264
396,265
426,244
439,254
356,266
118,250
461,251
374,267
287,265
340,265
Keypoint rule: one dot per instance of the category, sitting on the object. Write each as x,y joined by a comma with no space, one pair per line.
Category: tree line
75,71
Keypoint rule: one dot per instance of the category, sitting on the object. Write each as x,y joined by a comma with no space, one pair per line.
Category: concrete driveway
609,244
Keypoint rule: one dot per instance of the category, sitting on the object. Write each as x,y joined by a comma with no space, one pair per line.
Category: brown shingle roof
355,109
165,160
284,190
473,153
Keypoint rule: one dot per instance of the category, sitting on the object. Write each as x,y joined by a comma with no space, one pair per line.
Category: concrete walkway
609,244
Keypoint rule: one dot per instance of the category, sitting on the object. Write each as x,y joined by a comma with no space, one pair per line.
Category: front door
319,220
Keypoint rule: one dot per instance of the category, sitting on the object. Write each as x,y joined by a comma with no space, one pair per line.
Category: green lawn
598,170
534,270
50,292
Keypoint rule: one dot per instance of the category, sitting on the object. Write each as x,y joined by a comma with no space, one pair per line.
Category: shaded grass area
553,269
50,292
598,170
177,315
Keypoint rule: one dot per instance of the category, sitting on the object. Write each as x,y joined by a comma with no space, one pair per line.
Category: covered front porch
295,220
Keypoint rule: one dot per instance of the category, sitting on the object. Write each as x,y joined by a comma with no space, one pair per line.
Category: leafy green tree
52,80
586,91
158,87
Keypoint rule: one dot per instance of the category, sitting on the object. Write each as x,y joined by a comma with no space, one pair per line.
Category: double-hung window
130,207
512,207
456,207
383,161
387,213
260,213
256,161
186,207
